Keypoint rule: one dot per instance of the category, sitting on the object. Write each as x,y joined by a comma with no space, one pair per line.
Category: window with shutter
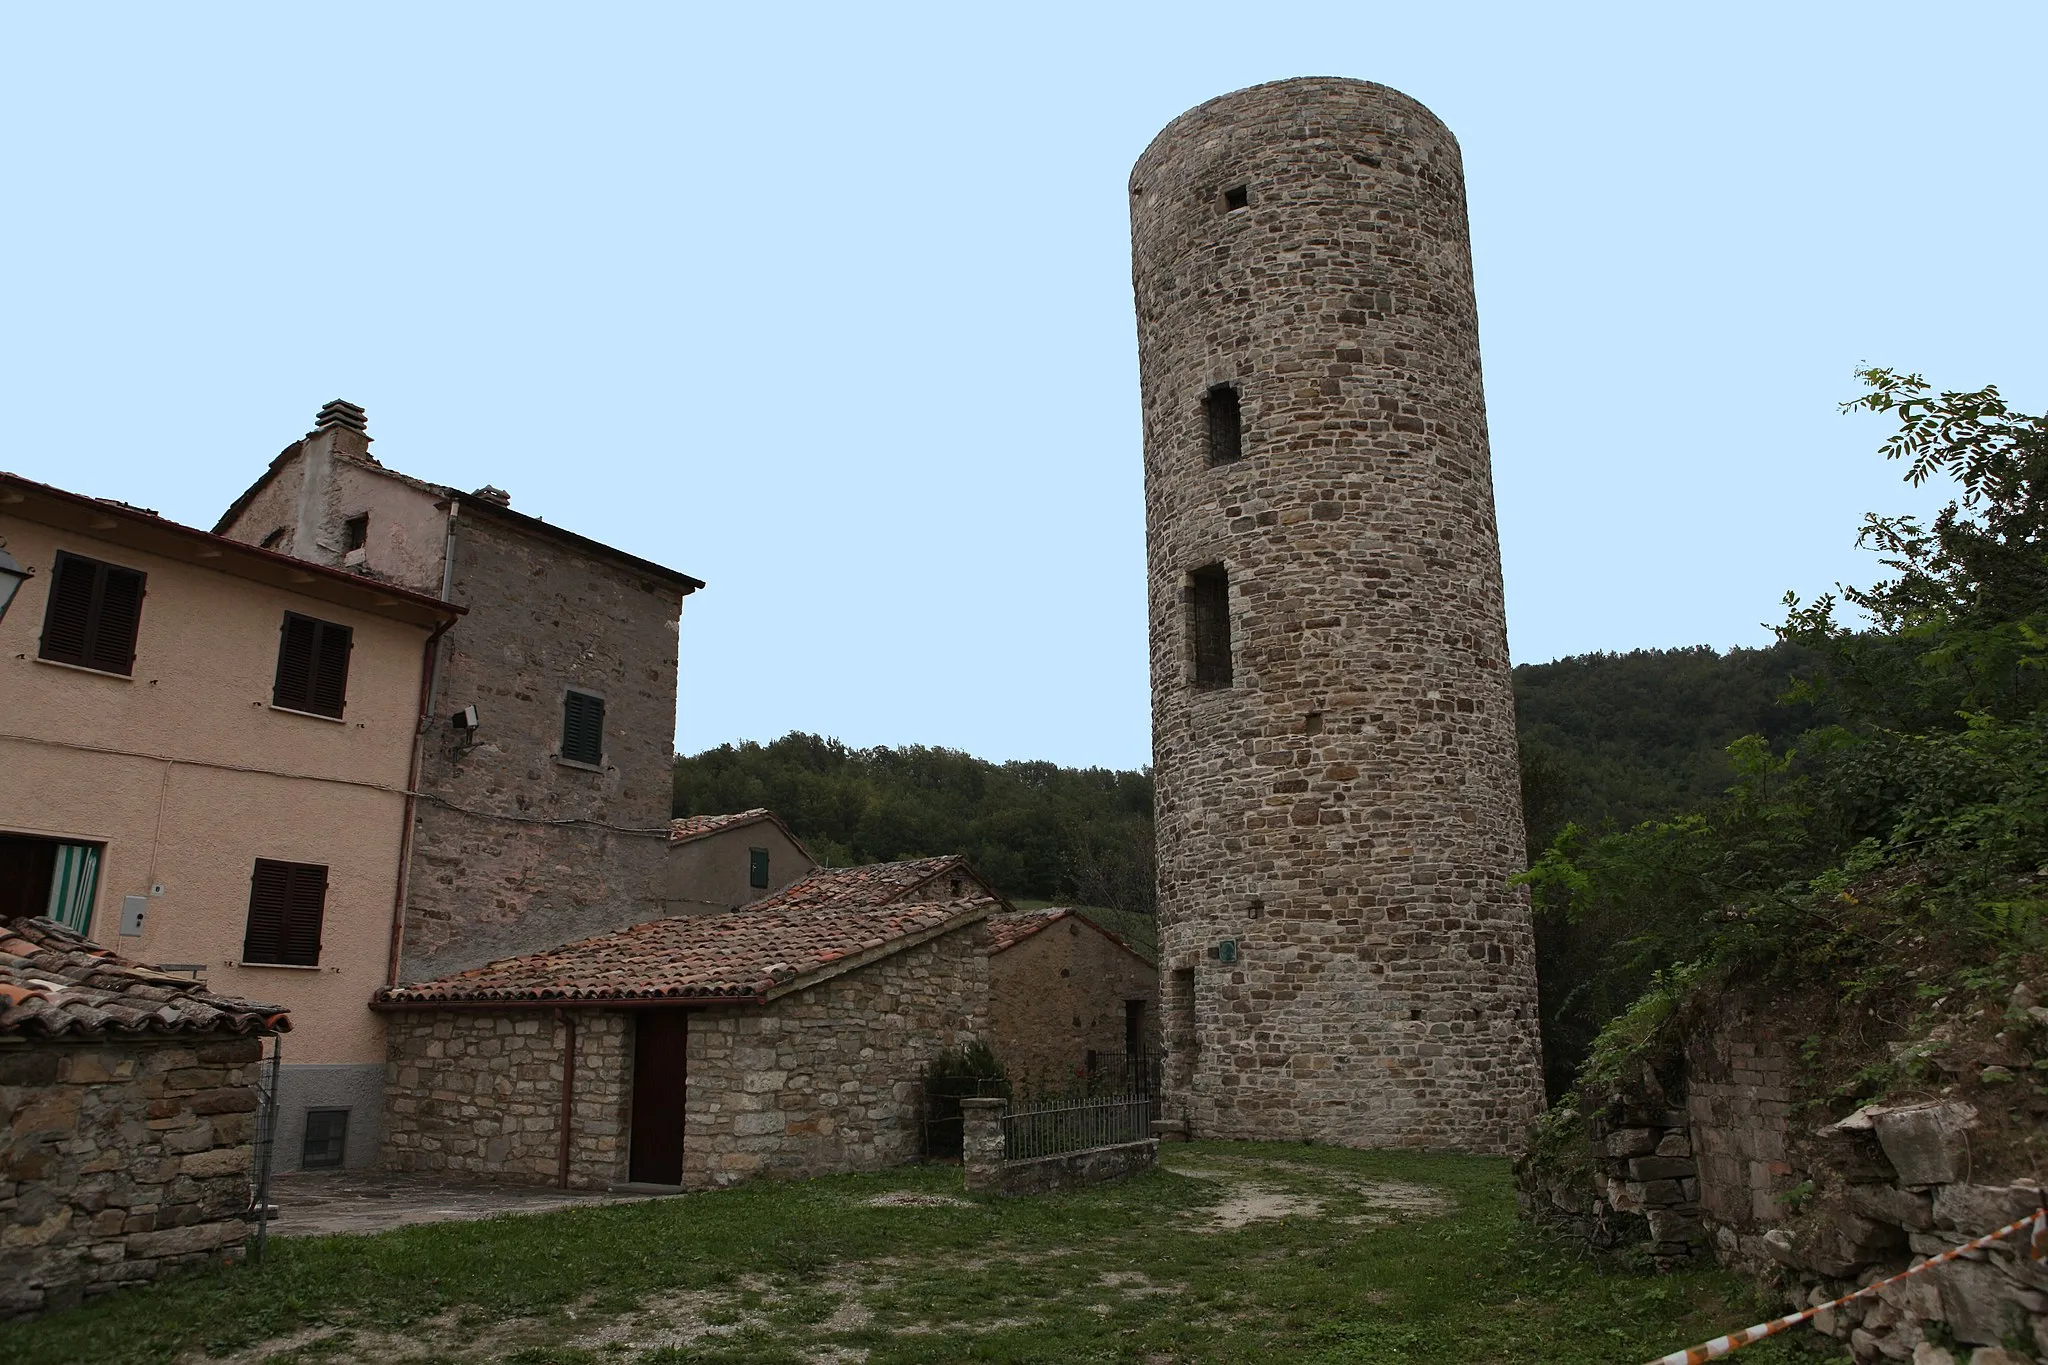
582,728
287,902
757,868
312,666
92,615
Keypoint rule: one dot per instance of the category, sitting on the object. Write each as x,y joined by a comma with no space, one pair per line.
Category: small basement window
1237,198
583,727
326,1138
757,868
1209,625
355,532
1225,418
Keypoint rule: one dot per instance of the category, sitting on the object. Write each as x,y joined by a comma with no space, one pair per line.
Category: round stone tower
1333,730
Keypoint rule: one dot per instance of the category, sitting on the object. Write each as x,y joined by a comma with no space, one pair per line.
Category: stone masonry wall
1738,1095
122,1160
828,1079
1347,809
1060,994
491,877
1817,1212
479,1093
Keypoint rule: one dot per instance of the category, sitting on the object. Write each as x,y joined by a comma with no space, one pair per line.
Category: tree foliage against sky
1901,845
1037,830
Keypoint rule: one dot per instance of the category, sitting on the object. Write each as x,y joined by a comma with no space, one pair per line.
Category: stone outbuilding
721,862
129,1099
787,1037
1068,998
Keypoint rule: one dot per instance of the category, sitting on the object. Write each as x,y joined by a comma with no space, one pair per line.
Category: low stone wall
122,1159
1818,1212
479,1093
988,1173
1634,1188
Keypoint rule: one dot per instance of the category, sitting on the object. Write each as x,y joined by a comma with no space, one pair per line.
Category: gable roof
880,884
470,501
743,956
55,984
1006,931
691,827
138,528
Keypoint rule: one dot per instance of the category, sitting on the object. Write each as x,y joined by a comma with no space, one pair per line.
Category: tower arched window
1225,416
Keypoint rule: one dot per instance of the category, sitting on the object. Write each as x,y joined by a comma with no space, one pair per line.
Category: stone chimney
341,428
490,493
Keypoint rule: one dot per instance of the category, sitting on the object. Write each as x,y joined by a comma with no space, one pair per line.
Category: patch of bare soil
1259,1204
442,1337
915,1199
1253,1201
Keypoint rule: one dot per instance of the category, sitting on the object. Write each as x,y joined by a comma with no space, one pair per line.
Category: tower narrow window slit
1209,624
1226,424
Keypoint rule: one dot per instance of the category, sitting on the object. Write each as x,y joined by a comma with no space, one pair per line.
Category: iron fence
263,1156
1053,1129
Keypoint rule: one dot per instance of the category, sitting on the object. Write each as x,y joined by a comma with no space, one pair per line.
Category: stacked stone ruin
1333,727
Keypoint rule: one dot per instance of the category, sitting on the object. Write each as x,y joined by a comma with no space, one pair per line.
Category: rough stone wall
1060,994
827,1079
479,1093
1347,809
1816,1211
491,876
1738,1095
122,1160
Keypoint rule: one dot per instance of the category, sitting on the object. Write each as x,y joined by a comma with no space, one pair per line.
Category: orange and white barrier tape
1721,1346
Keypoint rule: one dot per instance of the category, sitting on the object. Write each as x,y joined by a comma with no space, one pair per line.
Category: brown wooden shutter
582,727
307,908
93,613
67,620
312,665
295,663
269,897
287,904
330,669
120,616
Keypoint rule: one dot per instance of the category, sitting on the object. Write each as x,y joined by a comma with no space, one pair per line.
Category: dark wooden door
660,1066
26,866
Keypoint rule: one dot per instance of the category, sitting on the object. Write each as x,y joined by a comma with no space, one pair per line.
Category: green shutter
72,886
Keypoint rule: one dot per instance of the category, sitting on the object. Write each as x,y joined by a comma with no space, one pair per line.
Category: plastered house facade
176,788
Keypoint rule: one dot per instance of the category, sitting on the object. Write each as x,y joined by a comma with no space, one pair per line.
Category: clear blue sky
830,305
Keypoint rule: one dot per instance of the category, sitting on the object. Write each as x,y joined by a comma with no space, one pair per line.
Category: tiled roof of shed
741,955
698,826
1007,931
871,884
54,983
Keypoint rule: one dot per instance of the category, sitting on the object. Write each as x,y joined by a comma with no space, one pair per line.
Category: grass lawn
1232,1252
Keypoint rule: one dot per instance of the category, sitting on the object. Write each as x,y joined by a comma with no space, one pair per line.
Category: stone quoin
1339,812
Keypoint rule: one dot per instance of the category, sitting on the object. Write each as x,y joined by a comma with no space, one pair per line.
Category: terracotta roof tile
54,983
882,884
1007,931
698,826
743,954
